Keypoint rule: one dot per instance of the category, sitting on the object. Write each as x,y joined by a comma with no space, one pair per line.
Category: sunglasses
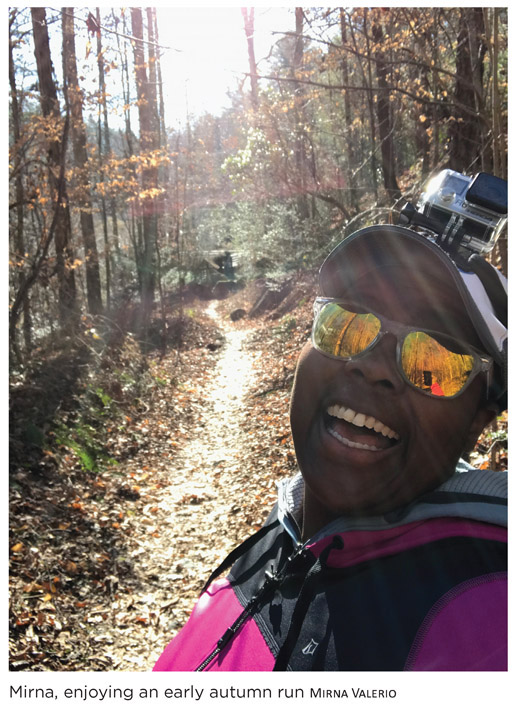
433,363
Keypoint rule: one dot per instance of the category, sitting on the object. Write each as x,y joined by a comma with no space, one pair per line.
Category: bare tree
82,198
385,125
19,240
348,113
299,145
146,96
248,18
55,154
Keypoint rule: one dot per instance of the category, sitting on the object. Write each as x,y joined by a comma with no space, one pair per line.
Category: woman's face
350,469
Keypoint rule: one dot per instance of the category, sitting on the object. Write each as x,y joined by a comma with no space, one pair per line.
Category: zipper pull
270,575
298,555
225,638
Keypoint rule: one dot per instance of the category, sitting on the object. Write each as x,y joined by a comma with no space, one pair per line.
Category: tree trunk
19,241
466,149
104,154
368,82
50,109
134,226
125,82
83,192
299,116
162,122
152,80
385,125
348,116
248,17
499,150
158,140
146,108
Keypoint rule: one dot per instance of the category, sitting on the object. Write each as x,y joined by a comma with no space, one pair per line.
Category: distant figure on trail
387,552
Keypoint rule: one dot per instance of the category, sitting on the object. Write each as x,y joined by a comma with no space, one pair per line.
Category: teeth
359,419
362,420
347,415
352,444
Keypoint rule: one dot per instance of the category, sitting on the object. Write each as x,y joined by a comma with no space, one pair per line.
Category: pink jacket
422,589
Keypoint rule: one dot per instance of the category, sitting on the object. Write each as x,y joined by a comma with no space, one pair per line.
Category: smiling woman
193,197
385,544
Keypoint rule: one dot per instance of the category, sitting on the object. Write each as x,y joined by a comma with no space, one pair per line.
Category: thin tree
385,124
19,240
55,155
299,144
134,225
147,139
104,153
367,78
162,122
158,139
73,96
248,19
348,114
152,79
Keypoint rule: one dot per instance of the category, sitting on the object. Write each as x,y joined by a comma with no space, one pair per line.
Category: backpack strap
241,549
303,603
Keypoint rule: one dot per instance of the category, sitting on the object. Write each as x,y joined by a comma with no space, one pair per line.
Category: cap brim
382,246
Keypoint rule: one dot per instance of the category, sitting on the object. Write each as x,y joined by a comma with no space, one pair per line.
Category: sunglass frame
482,363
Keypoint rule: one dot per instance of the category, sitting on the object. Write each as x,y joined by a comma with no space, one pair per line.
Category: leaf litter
105,565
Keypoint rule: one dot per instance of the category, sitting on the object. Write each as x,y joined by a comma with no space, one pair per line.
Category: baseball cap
484,295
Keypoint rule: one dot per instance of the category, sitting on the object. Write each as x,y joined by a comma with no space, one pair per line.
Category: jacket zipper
271,581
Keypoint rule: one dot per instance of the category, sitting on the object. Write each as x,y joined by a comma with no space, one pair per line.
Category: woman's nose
379,365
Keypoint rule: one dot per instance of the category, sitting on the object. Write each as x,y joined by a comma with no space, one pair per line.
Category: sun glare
206,54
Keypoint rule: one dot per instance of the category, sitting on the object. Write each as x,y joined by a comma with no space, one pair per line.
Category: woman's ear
483,417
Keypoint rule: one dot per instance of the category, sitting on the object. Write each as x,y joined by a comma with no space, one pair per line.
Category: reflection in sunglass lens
344,333
430,366
426,362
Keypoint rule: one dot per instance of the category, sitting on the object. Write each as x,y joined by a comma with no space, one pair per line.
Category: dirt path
197,516
107,565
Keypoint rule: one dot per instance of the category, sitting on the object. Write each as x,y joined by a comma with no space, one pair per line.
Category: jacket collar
469,493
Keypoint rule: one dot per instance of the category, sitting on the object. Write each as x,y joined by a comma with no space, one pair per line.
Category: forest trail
107,564
192,514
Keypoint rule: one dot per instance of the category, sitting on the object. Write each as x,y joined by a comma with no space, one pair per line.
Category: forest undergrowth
98,435
127,487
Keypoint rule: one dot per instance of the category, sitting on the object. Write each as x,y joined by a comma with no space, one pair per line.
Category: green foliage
104,403
85,433
85,440
288,323
500,434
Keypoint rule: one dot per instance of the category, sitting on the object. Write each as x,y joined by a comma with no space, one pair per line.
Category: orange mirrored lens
343,333
430,366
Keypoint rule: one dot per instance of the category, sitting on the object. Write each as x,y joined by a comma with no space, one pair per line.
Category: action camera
467,212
